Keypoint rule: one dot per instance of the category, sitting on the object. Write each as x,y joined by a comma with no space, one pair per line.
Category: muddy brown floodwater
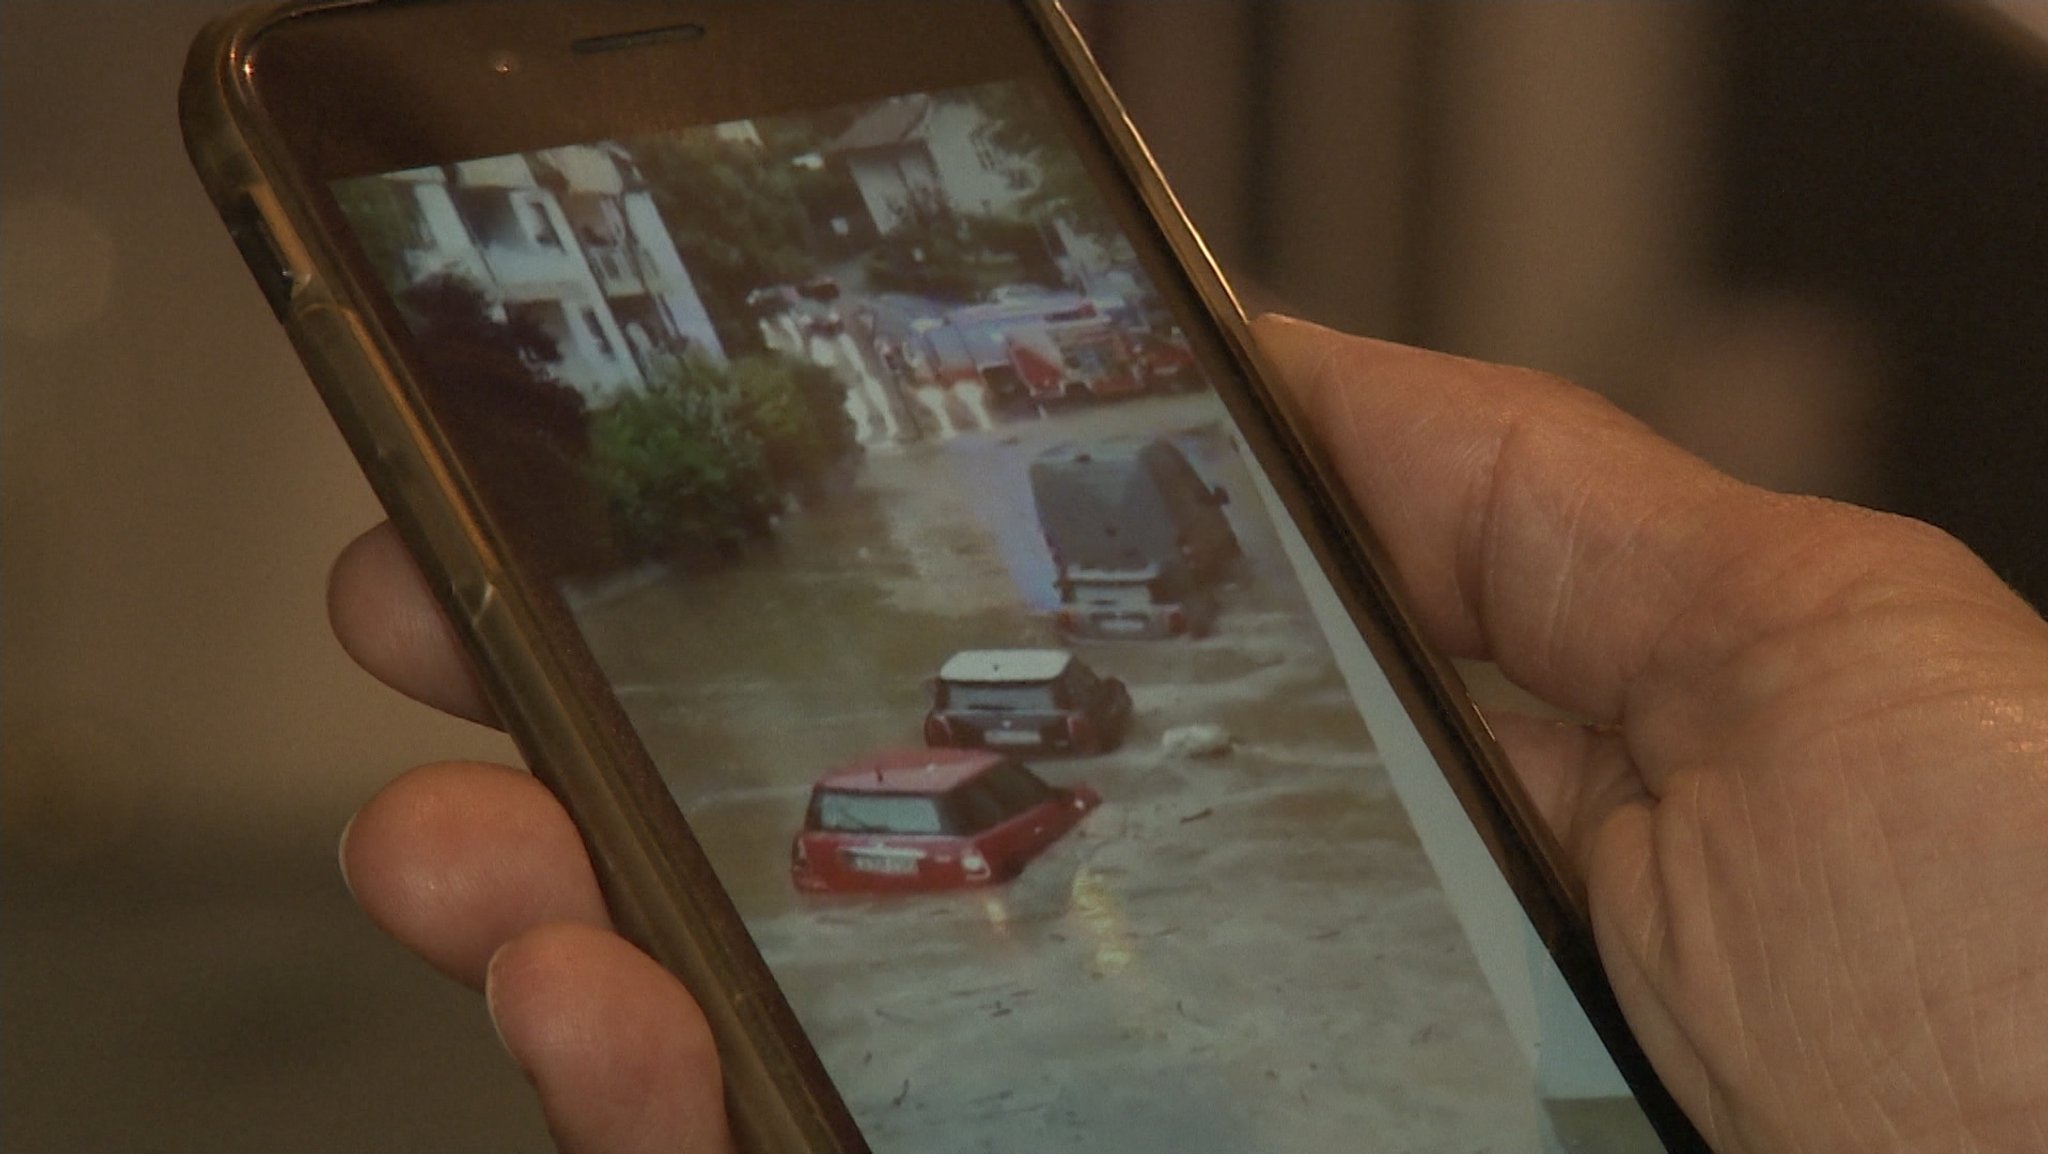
1236,953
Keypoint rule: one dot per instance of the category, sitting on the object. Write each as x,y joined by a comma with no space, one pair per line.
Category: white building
922,149
570,239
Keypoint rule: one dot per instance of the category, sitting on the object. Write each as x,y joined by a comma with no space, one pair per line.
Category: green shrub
705,458
798,410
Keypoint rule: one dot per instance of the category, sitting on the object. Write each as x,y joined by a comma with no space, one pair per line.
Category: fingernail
491,1001
341,856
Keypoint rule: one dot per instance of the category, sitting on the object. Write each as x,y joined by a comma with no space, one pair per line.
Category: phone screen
904,517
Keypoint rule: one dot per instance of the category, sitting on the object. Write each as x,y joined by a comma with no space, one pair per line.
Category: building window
595,328
413,215
539,226
985,152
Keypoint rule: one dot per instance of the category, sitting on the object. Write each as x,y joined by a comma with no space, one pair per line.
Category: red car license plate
882,862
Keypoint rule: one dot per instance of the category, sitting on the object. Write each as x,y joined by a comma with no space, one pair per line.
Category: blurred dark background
1809,241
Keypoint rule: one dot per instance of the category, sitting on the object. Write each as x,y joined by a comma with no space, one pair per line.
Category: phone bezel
271,123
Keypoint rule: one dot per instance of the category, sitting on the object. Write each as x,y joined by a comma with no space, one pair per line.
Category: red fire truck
1048,350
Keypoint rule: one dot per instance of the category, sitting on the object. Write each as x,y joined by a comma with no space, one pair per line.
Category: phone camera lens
504,63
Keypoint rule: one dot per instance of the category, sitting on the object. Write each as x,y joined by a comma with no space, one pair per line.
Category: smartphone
867,510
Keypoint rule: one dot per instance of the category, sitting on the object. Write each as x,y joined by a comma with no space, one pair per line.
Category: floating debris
1201,740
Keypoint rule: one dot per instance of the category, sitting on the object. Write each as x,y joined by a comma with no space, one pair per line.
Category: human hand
1811,813
478,869
1808,820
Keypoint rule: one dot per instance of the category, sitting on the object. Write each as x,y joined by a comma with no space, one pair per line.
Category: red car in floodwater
929,819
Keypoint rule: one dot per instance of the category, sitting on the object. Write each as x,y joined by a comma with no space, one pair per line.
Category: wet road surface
1243,952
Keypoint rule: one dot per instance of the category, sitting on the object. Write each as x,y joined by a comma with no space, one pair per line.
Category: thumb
1529,521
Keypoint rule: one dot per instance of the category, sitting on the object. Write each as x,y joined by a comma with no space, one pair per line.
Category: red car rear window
877,813
987,800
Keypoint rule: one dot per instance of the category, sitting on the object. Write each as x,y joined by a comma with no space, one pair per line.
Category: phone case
661,889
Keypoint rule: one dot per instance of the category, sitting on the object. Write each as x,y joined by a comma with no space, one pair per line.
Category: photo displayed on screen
913,538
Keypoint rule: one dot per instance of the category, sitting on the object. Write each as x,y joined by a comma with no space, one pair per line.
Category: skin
1809,807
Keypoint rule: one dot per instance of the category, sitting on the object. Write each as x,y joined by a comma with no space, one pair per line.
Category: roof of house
889,123
1005,665
910,771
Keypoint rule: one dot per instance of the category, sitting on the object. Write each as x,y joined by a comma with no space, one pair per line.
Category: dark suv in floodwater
1128,502
1151,601
1045,699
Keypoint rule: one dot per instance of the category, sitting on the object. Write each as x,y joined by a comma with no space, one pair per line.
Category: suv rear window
1000,697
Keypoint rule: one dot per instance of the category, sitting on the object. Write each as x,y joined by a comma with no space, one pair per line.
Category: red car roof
911,771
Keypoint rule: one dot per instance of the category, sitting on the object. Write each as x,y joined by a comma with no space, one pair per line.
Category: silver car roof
1005,665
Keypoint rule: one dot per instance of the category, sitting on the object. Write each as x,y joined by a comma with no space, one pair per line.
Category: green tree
1046,166
939,252
736,214
385,219
679,472
798,411
453,320
520,437
787,137
703,460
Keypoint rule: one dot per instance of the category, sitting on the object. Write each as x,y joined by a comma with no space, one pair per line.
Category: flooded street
1247,951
